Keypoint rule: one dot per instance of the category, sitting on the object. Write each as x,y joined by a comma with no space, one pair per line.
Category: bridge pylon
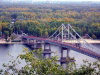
68,33
62,33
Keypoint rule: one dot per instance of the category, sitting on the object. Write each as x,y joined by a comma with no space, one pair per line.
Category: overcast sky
51,0
65,0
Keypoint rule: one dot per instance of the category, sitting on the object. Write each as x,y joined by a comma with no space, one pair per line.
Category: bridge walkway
67,45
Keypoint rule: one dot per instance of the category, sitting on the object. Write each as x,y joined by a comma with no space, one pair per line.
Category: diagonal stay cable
87,45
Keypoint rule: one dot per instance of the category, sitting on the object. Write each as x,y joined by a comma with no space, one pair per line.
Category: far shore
2,41
87,40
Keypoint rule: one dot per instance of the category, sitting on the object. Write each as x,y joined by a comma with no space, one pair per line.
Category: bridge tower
47,50
65,35
62,36
62,33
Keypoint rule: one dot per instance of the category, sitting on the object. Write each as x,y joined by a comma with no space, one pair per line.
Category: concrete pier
47,50
64,55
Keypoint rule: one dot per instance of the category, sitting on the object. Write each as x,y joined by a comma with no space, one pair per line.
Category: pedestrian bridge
65,32
66,45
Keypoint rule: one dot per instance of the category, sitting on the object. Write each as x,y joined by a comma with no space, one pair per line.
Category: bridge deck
67,45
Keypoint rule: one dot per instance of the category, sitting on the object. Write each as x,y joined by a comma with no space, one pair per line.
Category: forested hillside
43,19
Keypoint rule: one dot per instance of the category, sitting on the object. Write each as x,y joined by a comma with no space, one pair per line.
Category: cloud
47,0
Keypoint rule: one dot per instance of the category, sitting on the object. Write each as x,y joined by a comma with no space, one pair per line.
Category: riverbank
87,40
2,41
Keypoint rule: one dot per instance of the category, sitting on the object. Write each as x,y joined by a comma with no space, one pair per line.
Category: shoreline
87,40
2,41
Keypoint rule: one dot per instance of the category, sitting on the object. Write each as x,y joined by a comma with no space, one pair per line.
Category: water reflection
73,54
10,52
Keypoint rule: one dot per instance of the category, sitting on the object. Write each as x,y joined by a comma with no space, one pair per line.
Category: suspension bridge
65,32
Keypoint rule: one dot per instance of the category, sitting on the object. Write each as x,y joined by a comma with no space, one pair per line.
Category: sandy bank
87,40
2,41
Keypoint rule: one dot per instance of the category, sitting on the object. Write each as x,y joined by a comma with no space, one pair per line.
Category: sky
66,0
51,0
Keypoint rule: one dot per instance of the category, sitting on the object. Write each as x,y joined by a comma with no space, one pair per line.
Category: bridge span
64,33
70,46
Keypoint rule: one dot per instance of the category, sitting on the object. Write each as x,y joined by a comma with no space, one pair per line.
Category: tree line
43,19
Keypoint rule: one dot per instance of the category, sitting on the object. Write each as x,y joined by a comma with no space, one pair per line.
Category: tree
37,65
6,33
14,16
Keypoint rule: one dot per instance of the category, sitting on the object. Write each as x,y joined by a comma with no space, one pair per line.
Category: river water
10,52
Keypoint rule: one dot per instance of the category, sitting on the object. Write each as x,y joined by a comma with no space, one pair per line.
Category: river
10,52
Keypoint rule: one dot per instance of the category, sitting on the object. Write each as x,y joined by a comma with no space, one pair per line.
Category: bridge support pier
29,42
47,50
37,44
64,57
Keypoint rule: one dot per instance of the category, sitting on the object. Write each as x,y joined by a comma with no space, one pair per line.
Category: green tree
37,65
